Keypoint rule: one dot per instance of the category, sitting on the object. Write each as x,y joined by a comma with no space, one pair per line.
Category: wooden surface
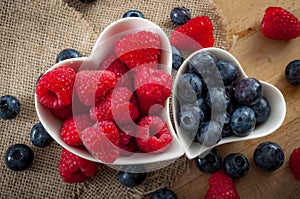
266,60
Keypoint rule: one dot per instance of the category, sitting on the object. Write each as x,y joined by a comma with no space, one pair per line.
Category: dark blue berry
203,63
292,72
9,107
177,58
210,163
190,117
133,13
189,88
248,91
229,71
262,110
243,121
67,54
180,15
201,103
87,1
163,193
19,157
217,98
225,118
268,156
39,136
209,133
236,165
132,175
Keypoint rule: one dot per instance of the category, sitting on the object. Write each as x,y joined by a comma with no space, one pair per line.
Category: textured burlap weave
32,32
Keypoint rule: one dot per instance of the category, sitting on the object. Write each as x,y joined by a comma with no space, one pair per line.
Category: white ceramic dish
274,96
102,48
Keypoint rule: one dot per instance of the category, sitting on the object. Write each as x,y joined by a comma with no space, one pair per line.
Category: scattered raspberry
153,134
120,106
137,49
153,86
279,23
72,127
93,86
74,169
54,89
294,163
102,140
221,186
197,33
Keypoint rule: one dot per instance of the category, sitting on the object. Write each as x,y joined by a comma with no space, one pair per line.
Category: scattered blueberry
177,58
132,176
236,165
133,13
39,136
189,88
209,133
87,1
210,163
292,72
180,15
248,91
9,107
228,71
262,110
268,156
18,157
67,54
163,193
217,99
243,121
190,117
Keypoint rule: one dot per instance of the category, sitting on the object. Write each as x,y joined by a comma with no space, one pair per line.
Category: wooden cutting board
264,59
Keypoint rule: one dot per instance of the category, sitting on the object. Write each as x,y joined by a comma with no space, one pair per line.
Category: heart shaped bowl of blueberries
214,102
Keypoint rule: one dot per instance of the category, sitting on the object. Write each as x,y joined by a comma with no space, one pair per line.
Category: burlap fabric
32,33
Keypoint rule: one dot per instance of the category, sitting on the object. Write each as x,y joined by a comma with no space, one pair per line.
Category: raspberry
127,141
62,113
115,65
153,134
54,89
197,33
221,186
74,169
153,86
294,163
120,106
93,86
102,140
137,49
279,23
72,128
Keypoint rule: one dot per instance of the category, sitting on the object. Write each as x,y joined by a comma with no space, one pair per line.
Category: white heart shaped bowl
102,48
274,96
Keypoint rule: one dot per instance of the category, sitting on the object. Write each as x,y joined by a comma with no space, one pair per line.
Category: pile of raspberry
112,108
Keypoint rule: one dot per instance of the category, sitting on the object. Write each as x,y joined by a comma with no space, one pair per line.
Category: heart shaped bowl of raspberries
112,107
215,102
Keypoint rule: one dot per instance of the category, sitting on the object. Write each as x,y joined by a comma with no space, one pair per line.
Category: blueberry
209,133
201,103
163,193
262,110
39,136
217,98
180,15
67,54
177,58
133,13
248,91
189,87
210,163
87,1
190,117
132,175
228,71
243,121
268,156
225,118
9,107
18,157
203,63
236,165
292,72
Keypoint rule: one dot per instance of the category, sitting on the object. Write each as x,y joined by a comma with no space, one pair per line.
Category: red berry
153,86
137,49
127,140
153,134
221,186
294,163
72,128
197,33
279,23
102,140
54,89
62,113
74,169
93,86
